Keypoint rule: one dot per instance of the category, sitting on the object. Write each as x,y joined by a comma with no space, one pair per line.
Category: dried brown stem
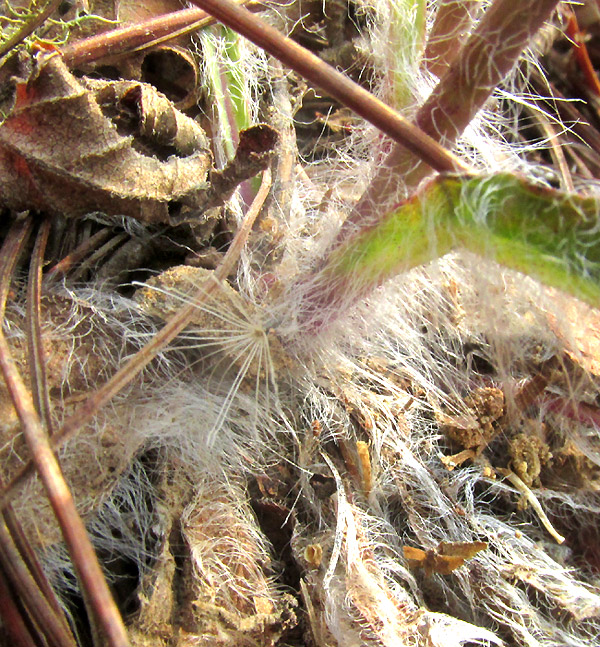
68,262
61,500
556,151
333,83
14,626
146,354
52,627
582,55
142,35
11,250
116,41
32,562
35,349
102,251
13,246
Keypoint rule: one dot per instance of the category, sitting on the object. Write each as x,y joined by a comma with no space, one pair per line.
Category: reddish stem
486,58
581,53
134,37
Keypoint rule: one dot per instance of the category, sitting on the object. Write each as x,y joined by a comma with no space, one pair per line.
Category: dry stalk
84,558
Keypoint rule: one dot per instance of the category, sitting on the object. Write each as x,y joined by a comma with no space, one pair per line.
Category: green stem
335,84
235,80
407,36
220,98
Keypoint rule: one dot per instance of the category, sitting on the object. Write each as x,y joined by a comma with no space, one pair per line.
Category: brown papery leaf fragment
59,153
146,113
446,558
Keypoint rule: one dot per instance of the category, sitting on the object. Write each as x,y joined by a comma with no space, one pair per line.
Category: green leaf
549,235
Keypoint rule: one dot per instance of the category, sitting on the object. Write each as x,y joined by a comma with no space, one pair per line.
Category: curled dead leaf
255,149
60,153
174,71
143,112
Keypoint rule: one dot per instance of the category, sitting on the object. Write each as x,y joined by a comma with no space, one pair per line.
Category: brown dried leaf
255,149
446,558
146,113
211,584
60,153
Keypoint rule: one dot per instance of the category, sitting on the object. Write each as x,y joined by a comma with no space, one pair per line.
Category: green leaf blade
546,234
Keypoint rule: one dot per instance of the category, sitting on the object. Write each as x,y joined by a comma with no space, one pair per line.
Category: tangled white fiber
260,482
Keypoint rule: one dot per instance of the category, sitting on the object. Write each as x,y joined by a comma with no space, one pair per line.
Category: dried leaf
211,584
150,115
255,149
60,153
464,549
447,557
173,71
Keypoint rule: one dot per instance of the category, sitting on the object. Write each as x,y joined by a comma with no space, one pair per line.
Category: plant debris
368,427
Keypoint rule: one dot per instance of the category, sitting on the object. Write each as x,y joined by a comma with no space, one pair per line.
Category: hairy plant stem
486,58
453,21
491,51
545,234
406,35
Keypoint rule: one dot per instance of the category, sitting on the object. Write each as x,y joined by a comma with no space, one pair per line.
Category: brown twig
79,253
13,246
44,460
12,618
334,83
581,53
35,349
53,628
142,35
